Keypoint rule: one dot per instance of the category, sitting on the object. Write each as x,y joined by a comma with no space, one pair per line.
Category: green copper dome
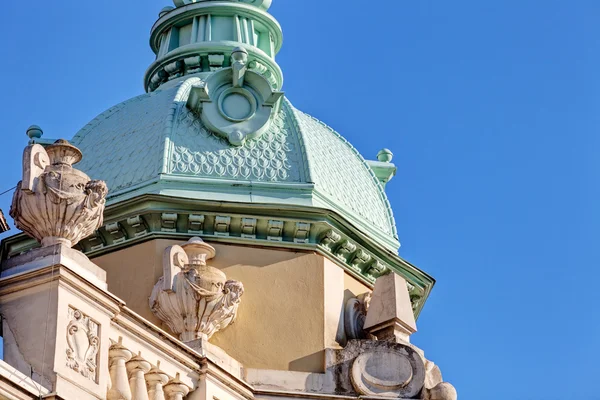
215,149
215,126
155,144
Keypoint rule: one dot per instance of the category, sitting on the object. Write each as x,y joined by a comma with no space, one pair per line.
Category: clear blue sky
491,109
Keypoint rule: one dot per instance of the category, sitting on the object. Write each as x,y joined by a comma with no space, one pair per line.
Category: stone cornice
272,226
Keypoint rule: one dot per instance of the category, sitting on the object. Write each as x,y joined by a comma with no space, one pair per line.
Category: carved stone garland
56,203
192,298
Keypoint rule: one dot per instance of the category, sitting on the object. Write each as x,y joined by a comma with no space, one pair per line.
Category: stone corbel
235,103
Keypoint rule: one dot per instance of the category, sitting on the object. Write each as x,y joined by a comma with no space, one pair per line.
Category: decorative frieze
330,239
195,63
222,225
248,228
168,222
116,232
365,263
138,226
302,232
83,344
360,259
275,231
345,250
196,224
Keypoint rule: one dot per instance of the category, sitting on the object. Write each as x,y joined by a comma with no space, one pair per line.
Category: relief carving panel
83,343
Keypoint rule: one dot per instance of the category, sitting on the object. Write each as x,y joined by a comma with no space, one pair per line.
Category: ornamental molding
235,103
155,218
83,343
184,61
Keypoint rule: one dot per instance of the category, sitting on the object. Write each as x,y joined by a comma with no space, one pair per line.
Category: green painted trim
279,226
185,13
206,48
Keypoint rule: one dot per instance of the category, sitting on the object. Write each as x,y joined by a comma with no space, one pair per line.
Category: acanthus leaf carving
194,300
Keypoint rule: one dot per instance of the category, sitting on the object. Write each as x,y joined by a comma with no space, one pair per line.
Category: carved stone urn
195,300
56,203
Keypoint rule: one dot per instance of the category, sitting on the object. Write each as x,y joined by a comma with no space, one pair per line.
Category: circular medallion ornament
237,104
396,371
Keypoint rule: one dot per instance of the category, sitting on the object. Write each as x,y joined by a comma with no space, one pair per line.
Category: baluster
118,355
175,389
137,367
156,379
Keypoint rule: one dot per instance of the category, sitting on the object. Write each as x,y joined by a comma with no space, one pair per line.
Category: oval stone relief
397,371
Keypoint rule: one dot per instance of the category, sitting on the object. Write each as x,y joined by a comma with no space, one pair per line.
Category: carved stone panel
83,343
380,369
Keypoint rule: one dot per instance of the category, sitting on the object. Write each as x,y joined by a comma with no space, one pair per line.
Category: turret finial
34,132
385,155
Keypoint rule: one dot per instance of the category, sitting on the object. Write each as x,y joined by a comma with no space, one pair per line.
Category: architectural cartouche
233,248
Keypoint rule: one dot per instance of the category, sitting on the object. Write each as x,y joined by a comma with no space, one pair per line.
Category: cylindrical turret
198,36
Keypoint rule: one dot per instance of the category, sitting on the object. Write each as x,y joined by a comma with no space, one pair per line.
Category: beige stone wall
291,310
353,288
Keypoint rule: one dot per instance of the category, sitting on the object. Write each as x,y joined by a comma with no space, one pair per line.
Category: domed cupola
198,37
214,149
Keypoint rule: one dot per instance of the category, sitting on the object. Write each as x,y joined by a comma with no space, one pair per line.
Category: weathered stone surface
379,368
390,315
192,298
57,254
56,203
443,391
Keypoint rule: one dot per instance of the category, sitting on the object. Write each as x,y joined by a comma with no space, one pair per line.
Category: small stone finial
385,155
51,188
34,132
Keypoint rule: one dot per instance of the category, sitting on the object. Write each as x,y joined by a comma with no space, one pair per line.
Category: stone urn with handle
56,203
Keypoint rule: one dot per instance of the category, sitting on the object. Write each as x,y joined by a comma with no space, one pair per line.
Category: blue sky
491,109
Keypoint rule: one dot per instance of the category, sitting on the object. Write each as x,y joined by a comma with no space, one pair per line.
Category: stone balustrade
134,378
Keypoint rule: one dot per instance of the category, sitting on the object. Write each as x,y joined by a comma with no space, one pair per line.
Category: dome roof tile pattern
154,138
